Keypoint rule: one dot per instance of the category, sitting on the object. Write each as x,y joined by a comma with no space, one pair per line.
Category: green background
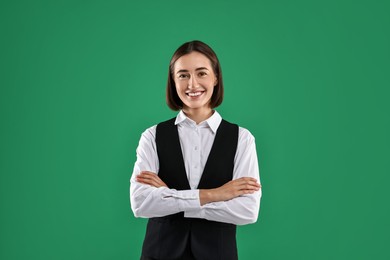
81,80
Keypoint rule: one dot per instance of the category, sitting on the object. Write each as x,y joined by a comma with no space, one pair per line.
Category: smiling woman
196,176
195,81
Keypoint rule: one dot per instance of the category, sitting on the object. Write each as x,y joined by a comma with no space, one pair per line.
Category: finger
248,192
246,180
243,192
248,186
146,173
149,182
151,176
146,177
256,184
151,179
251,181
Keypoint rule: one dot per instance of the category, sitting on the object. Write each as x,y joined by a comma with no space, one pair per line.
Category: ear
215,81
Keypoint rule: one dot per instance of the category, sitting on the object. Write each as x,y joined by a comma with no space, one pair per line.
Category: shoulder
244,135
246,141
149,134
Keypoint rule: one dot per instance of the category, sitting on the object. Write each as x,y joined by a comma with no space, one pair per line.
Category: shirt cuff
201,212
187,199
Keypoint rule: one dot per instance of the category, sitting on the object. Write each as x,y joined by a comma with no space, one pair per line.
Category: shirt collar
213,121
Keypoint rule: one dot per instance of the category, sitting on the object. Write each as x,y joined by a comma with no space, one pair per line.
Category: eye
202,74
183,76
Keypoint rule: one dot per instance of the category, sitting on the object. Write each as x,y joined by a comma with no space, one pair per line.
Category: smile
195,94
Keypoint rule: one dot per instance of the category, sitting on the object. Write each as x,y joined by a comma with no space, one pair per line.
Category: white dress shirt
196,141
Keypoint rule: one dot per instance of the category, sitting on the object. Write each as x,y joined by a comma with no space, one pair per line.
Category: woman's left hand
150,178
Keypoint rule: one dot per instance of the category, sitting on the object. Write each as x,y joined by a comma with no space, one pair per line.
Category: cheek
211,85
179,87
211,82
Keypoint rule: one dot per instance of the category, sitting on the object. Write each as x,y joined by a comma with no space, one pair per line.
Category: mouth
194,94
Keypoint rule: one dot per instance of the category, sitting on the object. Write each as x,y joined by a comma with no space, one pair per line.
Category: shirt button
196,148
196,167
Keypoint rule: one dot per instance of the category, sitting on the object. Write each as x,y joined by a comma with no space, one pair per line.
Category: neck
198,115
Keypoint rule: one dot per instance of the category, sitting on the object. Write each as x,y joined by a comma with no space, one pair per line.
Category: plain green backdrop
81,80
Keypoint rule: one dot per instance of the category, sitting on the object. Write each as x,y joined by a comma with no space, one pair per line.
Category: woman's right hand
150,178
230,190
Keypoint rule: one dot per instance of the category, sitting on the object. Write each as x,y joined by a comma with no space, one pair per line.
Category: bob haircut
173,100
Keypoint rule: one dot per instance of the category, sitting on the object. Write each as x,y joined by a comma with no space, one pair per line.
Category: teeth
194,94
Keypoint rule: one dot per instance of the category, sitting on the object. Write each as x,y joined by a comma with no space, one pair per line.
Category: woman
196,176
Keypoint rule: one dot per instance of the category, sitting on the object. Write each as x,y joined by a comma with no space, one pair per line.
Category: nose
192,83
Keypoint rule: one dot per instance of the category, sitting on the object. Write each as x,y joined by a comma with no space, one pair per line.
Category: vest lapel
220,162
172,170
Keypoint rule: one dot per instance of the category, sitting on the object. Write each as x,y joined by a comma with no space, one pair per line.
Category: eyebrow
201,68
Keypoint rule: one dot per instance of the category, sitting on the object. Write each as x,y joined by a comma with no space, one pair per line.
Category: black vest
168,237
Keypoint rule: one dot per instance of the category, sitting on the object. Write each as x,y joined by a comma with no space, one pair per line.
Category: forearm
148,201
239,211
206,196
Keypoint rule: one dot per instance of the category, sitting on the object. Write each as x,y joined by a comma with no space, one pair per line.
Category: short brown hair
173,100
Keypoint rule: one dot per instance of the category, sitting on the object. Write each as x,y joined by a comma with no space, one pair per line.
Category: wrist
206,196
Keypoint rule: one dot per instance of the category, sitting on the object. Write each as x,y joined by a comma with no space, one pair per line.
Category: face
194,80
